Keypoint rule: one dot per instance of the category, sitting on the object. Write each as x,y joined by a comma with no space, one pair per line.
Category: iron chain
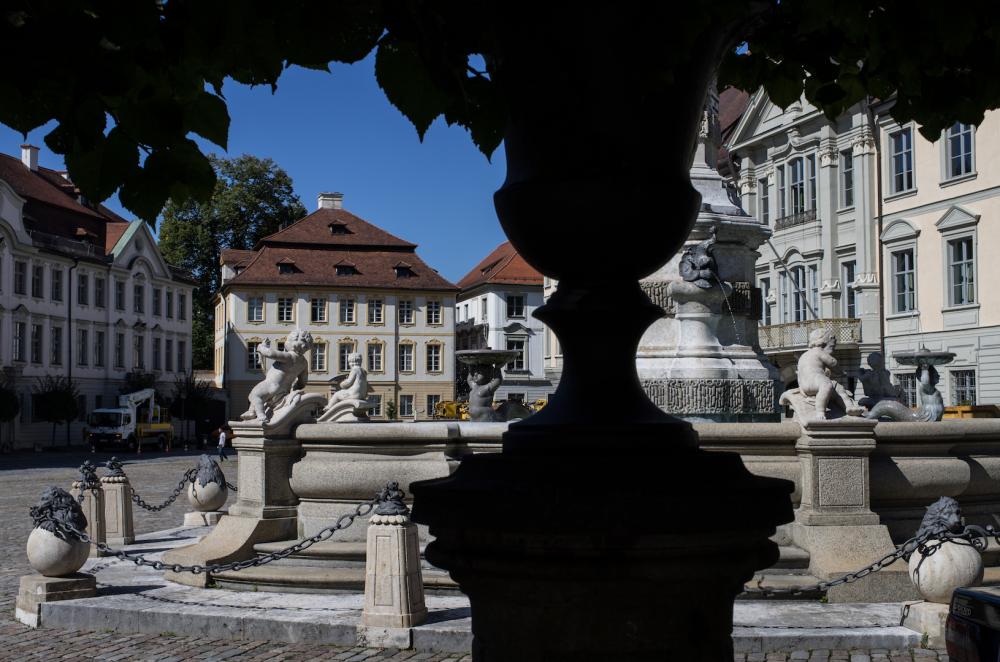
343,522
231,486
188,477
974,536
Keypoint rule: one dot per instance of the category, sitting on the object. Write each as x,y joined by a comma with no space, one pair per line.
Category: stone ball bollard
52,553
208,491
951,566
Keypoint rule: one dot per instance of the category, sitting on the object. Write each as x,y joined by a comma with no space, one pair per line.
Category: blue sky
338,132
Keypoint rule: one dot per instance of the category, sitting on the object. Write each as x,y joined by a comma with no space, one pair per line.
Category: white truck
135,422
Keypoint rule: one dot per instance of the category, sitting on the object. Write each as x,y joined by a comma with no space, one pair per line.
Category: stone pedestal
264,512
834,522
394,588
118,510
36,590
929,619
93,509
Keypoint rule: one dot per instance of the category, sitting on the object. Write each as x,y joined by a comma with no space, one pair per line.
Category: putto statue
484,380
349,401
287,376
817,390
877,382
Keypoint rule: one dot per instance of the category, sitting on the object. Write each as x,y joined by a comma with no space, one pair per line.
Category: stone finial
87,480
115,469
391,498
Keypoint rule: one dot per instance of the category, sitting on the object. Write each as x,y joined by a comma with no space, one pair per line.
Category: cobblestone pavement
24,476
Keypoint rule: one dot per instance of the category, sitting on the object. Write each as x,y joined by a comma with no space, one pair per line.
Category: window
432,403
317,311
19,331
958,150
182,307
765,309
908,383
961,271
168,355
375,311
170,304
376,405
347,270
405,311
285,309
157,301
434,358
83,289
406,405
286,268
55,342
963,387
119,350
515,305
814,287
139,352
347,311
846,178
765,201
901,160
483,317
37,276
253,358
811,163
406,357
318,357
405,272
20,277
517,363
783,293
182,365
36,343
782,200
119,295
848,295
433,312
516,397
100,293
56,286
139,298
799,308
797,185
157,358
255,309
99,349
904,281
375,350
82,346
344,351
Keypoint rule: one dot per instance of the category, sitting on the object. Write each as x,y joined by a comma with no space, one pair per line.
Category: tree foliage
253,198
55,401
190,399
128,81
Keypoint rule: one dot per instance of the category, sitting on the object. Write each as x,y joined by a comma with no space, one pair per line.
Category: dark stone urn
602,532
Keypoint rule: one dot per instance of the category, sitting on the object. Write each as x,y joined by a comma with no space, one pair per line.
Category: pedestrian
222,443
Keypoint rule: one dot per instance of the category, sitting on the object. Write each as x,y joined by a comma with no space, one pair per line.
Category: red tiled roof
504,266
317,267
236,256
314,229
114,232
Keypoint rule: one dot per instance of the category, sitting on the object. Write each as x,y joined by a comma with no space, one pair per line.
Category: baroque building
495,309
876,235
84,294
355,288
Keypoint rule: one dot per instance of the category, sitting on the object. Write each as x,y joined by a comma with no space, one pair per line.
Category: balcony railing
795,335
63,244
792,220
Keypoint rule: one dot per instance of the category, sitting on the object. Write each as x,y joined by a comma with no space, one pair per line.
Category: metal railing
792,220
63,244
795,335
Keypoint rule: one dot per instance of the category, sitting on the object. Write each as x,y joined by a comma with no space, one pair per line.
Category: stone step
285,578
327,553
773,580
792,558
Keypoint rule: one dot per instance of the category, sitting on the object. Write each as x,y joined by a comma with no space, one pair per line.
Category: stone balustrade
795,335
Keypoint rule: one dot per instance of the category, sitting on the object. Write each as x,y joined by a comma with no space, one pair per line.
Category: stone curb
774,640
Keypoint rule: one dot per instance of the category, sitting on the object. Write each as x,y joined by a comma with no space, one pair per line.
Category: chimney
29,156
330,201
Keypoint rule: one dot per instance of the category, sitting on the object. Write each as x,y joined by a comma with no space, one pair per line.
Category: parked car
972,631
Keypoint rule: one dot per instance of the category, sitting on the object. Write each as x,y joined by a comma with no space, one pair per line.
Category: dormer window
338,228
347,270
286,265
404,270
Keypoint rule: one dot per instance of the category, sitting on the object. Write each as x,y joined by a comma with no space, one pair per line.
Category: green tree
253,198
56,398
190,400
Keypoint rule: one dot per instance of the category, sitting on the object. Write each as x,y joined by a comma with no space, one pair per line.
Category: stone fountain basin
923,356
485,356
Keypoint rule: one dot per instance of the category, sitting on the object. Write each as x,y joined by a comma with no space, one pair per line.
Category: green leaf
401,74
99,171
209,118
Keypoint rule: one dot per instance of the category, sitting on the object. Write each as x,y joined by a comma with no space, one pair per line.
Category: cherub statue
815,368
930,405
483,381
289,372
349,401
877,382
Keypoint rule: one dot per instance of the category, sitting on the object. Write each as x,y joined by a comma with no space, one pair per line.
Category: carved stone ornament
711,396
392,501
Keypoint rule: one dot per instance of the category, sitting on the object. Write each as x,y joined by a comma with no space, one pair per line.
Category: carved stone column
601,531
